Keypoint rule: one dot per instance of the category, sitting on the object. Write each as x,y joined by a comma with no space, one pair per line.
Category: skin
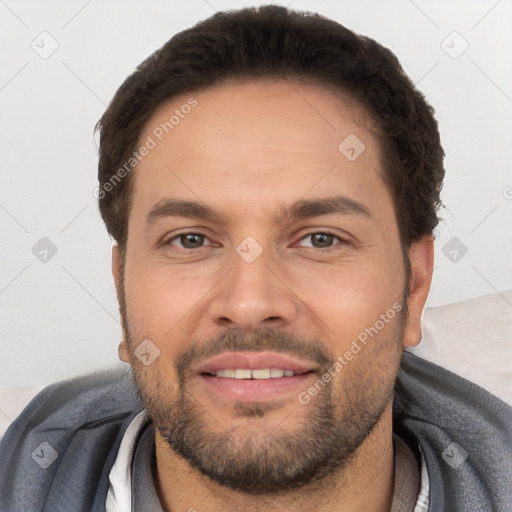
247,150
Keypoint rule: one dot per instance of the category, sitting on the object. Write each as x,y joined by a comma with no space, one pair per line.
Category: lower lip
255,390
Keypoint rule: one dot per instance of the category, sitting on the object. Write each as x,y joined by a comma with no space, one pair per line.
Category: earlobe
122,351
421,256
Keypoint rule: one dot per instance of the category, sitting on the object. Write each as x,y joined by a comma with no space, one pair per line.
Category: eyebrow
305,208
301,209
169,207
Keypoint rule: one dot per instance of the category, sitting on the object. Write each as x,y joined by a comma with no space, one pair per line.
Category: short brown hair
275,42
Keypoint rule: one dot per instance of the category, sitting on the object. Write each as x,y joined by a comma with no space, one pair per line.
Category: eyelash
323,232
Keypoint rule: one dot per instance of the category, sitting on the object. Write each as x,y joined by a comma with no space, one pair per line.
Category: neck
365,483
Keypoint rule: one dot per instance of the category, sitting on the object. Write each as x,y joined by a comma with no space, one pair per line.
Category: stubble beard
328,431
263,462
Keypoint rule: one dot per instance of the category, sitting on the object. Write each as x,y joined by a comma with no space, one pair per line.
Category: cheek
166,304
156,301
350,297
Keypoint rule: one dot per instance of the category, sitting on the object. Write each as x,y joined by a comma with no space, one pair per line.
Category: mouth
254,376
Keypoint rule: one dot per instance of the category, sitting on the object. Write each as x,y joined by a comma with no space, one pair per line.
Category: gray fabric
450,417
144,493
84,420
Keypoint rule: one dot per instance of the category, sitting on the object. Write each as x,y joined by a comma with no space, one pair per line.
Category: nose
253,295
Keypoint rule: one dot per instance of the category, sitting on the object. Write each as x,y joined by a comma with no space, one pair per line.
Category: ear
421,256
122,350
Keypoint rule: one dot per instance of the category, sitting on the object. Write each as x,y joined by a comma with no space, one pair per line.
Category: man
272,182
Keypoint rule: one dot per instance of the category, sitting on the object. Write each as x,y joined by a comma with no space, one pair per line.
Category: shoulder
73,403
69,432
465,434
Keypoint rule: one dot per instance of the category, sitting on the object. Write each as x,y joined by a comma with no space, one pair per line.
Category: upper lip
253,361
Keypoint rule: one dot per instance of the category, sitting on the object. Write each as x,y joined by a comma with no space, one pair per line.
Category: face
264,266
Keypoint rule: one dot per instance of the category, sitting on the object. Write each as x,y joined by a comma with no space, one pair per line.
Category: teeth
226,373
242,374
260,373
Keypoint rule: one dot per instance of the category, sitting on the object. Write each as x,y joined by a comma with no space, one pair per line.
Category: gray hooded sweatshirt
57,455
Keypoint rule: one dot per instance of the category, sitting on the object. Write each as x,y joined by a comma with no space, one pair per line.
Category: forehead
276,138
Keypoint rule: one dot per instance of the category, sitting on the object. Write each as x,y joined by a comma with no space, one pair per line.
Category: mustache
265,339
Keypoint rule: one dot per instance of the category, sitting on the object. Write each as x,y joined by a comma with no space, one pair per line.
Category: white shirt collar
119,495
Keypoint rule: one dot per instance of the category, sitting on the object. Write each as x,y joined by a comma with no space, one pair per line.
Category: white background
60,318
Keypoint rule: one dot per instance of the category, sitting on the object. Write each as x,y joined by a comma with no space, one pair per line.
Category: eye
188,241
320,240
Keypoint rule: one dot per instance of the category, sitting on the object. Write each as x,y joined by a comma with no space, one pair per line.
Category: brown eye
320,240
188,240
